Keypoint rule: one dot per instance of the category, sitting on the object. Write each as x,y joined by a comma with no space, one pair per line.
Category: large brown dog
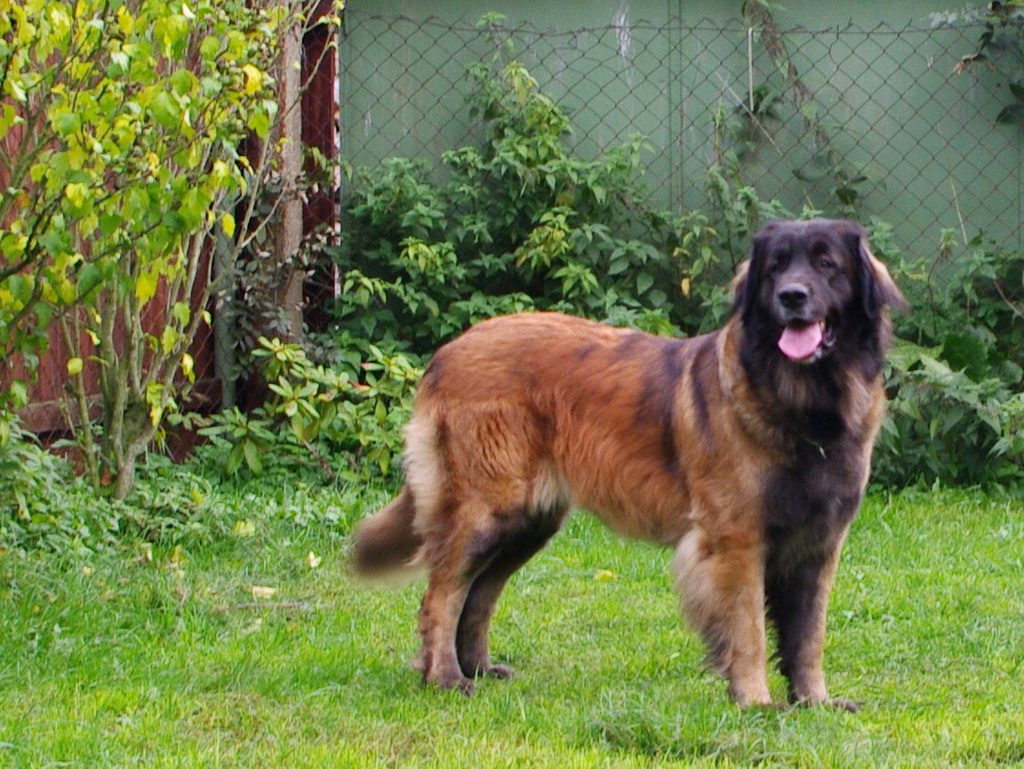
747,450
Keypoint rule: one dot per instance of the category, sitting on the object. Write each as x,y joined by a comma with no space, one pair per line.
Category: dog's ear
746,284
877,288
738,289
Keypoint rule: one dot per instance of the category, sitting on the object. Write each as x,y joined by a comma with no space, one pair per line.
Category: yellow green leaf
145,286
253,79
75,366
125,21
188,367
227,223
168,339
76,194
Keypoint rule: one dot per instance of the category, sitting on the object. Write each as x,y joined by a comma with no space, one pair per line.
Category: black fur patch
514,536
704,359
629,344
657,403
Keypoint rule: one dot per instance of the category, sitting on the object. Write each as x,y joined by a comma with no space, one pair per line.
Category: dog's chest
816,496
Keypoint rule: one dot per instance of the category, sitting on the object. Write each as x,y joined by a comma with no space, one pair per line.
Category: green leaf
8,117
252,457
1011,113
168,338
619,265
89,276
644,281
210,47
235,458
299,427
165,110
67,123
77,194
181,313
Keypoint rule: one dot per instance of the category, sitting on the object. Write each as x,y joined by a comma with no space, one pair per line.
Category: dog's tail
386,544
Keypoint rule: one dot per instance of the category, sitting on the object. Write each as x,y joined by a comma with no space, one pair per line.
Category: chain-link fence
880,118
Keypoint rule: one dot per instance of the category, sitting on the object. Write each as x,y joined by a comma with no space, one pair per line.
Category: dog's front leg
798,590
721,585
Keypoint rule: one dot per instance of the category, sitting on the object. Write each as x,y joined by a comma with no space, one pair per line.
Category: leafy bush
520,223
36,489
955,374
124,161
314,413
45,507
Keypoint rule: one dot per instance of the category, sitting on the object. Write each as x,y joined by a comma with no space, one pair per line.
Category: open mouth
806,342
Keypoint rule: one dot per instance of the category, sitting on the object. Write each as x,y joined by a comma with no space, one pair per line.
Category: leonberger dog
747,450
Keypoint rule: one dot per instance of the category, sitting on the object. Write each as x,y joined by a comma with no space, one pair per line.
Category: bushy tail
386,543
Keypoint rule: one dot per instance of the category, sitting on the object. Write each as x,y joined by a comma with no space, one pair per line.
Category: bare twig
959,213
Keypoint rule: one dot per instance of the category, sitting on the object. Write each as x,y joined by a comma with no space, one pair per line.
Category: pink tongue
800,343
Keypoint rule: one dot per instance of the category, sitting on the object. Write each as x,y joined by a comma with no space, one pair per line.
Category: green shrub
520,223
316,414
42,504
44,507
955,374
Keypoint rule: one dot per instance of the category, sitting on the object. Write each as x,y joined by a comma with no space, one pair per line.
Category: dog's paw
452,680
841,703
485,669
498,671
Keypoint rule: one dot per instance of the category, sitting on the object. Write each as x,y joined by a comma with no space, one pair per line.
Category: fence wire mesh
879,117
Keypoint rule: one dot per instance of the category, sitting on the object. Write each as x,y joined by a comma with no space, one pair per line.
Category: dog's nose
793,296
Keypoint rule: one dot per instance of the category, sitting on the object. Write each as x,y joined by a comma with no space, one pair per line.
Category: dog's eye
827,264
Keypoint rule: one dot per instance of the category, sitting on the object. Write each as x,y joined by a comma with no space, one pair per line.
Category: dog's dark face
813,287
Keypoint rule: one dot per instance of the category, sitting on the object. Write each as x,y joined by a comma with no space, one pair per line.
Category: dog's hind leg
513,547
439,616
456,561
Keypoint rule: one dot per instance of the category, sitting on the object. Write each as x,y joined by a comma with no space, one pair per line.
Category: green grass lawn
122,660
